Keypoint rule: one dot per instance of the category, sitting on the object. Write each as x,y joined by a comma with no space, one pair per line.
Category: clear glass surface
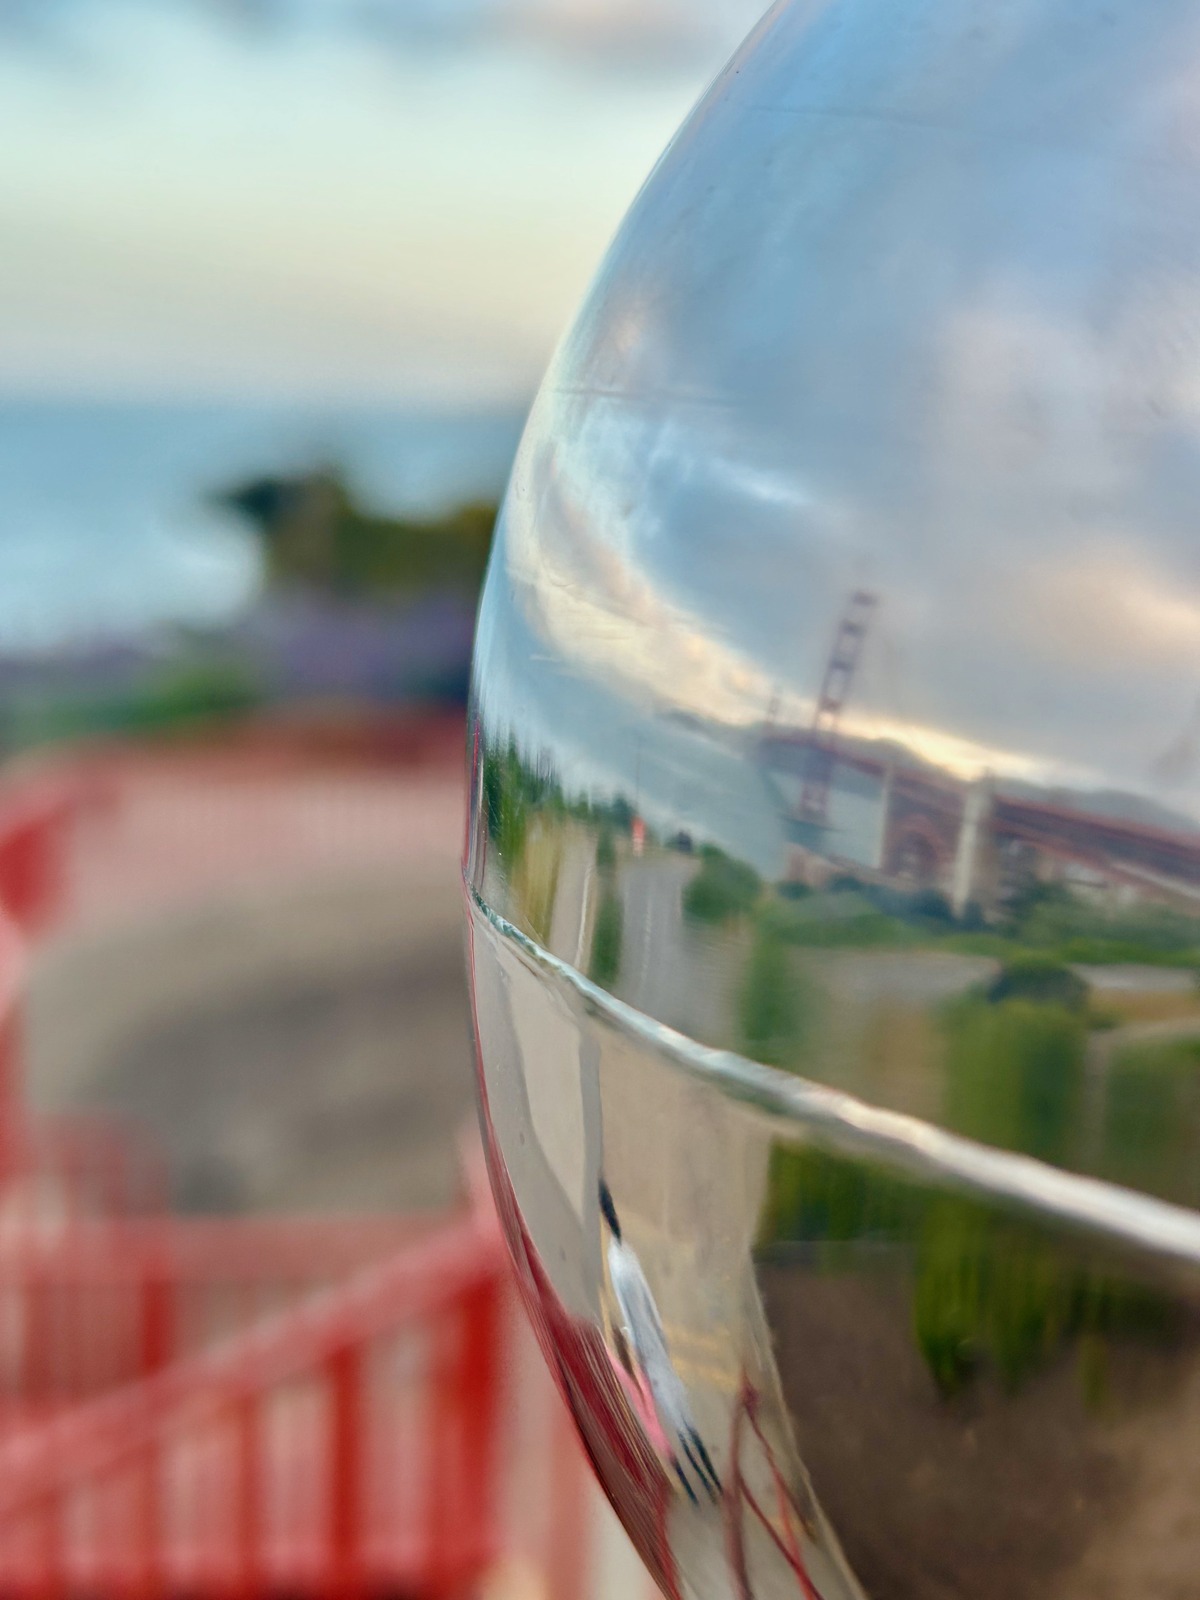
834,860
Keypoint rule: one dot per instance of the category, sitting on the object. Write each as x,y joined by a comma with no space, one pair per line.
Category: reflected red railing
787,1528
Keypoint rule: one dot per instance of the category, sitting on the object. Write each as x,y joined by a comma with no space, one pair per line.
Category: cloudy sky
374,199
884,326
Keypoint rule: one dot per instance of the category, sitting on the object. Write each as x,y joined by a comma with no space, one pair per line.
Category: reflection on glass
834,869
645,1355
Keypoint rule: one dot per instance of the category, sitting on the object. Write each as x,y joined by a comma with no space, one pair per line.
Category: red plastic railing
55,1168
785,1524
244,1408
100,1303
347,1448
32,819
12,978
77,1166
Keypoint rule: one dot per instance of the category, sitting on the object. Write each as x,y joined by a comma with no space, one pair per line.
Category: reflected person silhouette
642,1330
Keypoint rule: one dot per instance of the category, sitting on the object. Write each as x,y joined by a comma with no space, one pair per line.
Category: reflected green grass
991,1293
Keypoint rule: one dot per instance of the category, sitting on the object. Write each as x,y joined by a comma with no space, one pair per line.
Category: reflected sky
946,351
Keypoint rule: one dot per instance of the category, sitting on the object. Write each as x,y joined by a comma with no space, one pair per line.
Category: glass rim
843,1124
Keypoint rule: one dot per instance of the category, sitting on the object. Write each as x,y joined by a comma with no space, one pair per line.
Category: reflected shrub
515,788
821,923
774,1006
814,1198
506,800
1014,1074
721,889
1151,1137
990,1293
605,965
1050,918
1042,979
606,851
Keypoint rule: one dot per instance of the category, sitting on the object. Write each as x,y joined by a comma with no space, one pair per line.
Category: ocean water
107,525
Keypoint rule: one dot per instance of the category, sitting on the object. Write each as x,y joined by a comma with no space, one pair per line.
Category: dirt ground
1038,1493
301,1045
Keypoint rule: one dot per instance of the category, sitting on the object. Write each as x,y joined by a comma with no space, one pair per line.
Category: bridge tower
840,669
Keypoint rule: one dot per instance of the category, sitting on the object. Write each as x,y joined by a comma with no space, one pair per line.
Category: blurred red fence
347,1447
237,1407
104,1301
35,818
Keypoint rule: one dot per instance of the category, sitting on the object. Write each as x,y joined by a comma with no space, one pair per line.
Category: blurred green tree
315,533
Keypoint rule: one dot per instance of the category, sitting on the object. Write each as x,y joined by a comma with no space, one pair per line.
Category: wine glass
833,870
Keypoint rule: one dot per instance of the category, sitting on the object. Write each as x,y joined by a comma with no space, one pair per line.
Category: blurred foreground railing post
478,1397
248,1502
51,1537
12,973
158,1316
441,1445
35,1336
346,1463
148,1524
35,825
568,1566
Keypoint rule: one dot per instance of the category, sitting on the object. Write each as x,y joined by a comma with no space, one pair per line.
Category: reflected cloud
999,556
605,612
1080,603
